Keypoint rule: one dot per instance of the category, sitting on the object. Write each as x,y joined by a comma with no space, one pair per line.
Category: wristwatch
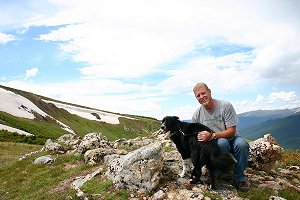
214,136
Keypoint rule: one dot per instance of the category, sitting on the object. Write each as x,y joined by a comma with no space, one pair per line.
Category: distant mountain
249,119
27,113
285,130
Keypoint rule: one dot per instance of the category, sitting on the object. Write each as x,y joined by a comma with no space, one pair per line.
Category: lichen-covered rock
53,146
70,140
134,143
139,169
264,152
93,141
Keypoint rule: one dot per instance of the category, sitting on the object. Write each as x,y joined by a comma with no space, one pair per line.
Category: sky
144,57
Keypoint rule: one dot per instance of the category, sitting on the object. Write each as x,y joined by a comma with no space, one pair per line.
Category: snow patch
90,114
18,105
11,129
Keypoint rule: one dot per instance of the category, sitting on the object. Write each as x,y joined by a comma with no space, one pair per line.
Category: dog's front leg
212,178
186,167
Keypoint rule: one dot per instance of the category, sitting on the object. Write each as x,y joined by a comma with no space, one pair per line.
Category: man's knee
223,144
241,145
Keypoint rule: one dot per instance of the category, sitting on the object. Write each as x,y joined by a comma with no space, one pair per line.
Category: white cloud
136,38
273,101
5,38
121,40
32,72
281,96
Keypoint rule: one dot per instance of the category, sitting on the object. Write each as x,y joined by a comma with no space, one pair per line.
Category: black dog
184,135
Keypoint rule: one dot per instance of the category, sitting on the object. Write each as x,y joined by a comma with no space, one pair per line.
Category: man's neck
211,105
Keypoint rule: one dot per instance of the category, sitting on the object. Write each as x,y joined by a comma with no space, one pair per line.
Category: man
220,116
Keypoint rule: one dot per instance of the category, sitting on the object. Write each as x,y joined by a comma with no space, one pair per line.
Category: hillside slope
48,118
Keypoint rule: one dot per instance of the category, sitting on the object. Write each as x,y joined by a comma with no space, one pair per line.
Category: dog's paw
182,174
195,181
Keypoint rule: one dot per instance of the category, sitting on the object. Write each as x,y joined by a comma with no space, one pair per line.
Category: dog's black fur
184,135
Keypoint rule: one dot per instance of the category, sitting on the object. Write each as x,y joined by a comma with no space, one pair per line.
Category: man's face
203,96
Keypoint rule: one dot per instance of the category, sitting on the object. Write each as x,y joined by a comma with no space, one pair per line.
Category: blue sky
144,57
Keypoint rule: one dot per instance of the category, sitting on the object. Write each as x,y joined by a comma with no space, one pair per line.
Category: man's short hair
201,84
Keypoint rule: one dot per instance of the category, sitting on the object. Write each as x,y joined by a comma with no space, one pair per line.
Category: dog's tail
223,161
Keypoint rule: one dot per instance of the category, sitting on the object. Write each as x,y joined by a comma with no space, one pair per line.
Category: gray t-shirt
218,119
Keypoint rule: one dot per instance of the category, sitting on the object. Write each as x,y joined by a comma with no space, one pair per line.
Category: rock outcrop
93,141
53,146
264,152
139,169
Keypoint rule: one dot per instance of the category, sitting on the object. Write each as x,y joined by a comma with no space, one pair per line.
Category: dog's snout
163,126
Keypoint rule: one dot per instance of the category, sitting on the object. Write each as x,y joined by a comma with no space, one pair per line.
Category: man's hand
204,136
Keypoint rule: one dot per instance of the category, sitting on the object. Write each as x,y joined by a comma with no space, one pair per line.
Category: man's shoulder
223,102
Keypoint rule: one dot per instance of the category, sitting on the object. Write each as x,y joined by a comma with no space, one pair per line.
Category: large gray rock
47,159
139,170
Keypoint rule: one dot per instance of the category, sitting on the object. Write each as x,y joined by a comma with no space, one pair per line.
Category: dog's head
169,123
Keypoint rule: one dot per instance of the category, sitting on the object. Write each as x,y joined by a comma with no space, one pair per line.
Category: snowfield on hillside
18,105
11,129
90,114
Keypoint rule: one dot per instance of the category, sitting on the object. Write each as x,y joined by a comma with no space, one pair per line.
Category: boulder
53,146
93,141
264,152
47,159
139,170
70,140
133,143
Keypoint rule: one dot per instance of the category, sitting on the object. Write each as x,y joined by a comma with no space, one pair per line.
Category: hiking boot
242,186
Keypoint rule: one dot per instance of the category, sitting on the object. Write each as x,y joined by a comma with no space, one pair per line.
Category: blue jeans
239,147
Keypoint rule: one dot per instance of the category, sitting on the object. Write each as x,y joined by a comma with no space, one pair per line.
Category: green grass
104,189
291,158
40,127
265,193
213,196
25,180
11,152
6,136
